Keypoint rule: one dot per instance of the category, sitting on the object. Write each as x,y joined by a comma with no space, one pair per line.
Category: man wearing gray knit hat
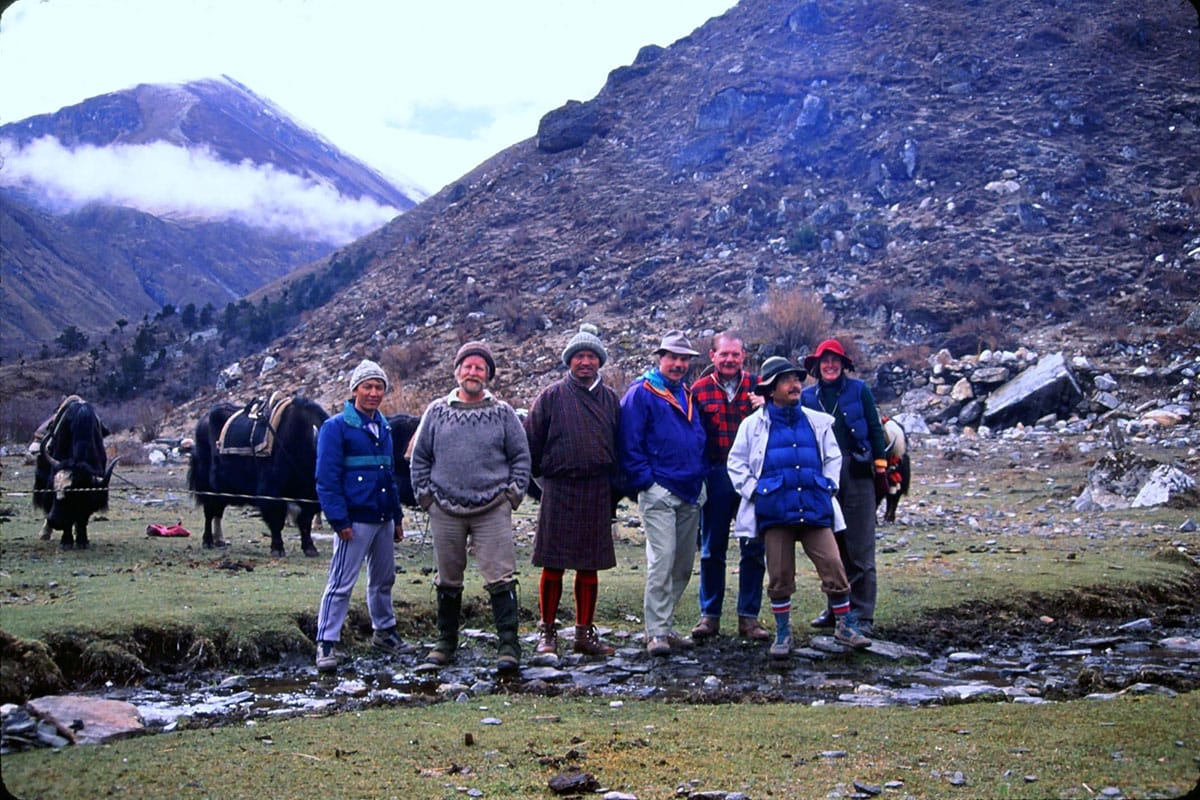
357,489
365,370
572,430
588,338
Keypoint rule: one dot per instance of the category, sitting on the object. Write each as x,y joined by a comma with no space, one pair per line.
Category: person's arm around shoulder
737,464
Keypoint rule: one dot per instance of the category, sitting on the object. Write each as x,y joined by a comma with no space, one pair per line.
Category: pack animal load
263,455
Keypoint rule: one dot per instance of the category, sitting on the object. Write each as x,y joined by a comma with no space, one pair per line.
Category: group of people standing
777,462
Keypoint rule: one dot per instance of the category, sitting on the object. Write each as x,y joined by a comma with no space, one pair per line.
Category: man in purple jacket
661,453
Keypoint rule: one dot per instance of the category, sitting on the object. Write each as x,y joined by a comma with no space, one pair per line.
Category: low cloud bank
176,182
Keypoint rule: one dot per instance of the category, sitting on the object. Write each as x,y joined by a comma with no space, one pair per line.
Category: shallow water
1146,659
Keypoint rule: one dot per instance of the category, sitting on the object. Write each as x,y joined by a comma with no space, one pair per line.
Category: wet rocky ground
991,654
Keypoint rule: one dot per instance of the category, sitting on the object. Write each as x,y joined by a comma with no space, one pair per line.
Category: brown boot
748,628
548,643
587,641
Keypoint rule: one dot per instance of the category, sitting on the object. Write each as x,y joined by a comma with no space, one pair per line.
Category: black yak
72,472
264,456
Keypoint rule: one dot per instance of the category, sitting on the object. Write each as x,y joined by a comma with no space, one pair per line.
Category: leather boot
449,607
504,611
587,641
548,643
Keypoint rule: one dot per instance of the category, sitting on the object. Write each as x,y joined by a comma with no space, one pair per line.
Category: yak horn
108,472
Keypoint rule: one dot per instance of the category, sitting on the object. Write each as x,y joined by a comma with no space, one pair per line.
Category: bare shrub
148,419
892,295
976,334
405,360
791,320
515,316
21,416
695,306
128,448
913,356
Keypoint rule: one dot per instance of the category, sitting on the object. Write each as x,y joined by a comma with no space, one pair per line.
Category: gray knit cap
366,370
588,338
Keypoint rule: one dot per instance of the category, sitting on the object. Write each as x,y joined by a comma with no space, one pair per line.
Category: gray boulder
568,126
1047,388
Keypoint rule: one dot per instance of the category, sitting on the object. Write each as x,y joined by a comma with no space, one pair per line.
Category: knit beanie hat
587,339
476,349
366,370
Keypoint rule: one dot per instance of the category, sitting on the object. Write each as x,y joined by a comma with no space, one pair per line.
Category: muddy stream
1158,653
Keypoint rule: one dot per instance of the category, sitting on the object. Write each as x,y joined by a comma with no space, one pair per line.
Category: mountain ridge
135,248
935,174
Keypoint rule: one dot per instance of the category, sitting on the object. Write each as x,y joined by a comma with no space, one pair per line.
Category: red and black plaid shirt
720,415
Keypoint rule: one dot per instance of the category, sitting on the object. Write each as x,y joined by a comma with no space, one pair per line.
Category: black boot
449,606
504,610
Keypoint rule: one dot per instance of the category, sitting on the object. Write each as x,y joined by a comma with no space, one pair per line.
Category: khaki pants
492,535
672,528
821,549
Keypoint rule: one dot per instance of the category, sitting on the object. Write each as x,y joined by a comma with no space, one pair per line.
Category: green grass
978,537
1145,746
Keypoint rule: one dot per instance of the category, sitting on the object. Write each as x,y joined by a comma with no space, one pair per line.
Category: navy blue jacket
355,482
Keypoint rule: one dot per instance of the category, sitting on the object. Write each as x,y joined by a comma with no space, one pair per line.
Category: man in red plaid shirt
725,396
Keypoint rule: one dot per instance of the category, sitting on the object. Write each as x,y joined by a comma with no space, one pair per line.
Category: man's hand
398,534
346,534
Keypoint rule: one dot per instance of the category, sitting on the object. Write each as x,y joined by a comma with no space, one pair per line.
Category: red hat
828,346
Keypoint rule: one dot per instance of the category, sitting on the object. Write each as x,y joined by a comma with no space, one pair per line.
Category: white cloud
365,74
171,181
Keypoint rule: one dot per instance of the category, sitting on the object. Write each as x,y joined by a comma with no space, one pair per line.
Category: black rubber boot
504,610
449,607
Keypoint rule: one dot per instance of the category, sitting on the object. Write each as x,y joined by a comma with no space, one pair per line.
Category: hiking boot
587,641
388,641
706,627
658,646
846,632
748,628
781,650
327,656
824,620
548,641
678,642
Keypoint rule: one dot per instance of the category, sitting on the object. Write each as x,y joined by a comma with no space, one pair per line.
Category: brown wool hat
476,349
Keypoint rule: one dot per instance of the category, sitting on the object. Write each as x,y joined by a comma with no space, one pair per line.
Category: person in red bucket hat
860,436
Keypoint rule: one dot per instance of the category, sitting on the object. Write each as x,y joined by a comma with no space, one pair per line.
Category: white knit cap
366,370
586,339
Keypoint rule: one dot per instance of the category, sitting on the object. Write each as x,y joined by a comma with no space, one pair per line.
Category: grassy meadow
978,533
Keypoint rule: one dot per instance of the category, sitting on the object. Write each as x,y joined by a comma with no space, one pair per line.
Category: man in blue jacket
661,452
358,494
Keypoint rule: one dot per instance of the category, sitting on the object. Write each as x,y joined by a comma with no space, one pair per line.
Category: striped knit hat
587,339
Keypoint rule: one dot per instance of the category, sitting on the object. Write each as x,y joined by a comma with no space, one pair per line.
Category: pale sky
422,92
